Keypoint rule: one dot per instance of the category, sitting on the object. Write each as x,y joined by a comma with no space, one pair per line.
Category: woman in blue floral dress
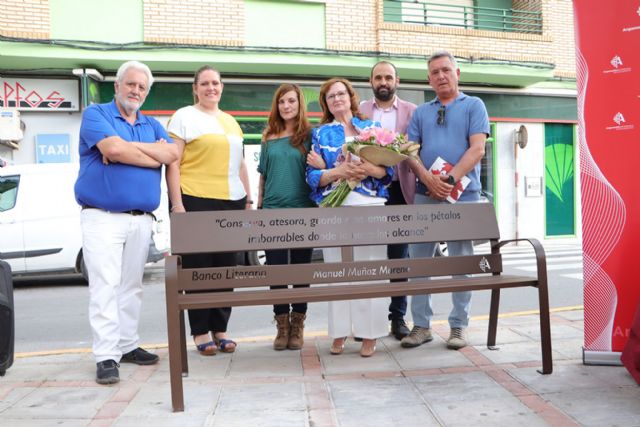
342,122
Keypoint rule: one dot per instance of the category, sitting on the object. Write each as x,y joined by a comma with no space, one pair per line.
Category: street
51,314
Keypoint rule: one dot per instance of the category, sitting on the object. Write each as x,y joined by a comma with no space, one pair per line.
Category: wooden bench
199,232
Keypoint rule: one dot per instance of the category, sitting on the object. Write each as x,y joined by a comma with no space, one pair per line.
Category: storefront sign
608,72
40,94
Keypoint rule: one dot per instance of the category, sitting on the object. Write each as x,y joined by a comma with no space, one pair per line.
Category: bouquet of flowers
378,146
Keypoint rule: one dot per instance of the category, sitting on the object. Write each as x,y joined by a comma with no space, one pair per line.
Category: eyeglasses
337,95
441,113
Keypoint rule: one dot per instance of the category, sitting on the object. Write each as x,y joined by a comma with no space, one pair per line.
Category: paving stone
261,397
173,420
574,377
14,396
573,315
558,332
511,353
263,418
373,393
350,360
155,402
454,387
603,406
405,416
14,422
60,403
508,411
263,361
432,355
208,367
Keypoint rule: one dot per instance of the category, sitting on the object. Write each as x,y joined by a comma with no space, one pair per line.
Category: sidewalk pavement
257,386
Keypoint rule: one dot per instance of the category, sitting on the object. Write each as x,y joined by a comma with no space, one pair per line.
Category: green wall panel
113,21
284,24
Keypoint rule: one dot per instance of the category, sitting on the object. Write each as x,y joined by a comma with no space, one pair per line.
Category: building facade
57,56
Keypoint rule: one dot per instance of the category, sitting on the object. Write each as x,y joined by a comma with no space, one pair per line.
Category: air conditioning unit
11,127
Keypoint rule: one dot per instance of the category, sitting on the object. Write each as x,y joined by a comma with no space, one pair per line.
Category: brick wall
25,18
560,20
352,24
202,22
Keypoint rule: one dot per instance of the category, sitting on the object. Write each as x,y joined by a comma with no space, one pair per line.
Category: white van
40,221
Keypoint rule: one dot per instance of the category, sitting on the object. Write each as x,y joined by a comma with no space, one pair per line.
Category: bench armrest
541,258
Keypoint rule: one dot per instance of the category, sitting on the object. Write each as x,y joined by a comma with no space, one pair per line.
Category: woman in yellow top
209,175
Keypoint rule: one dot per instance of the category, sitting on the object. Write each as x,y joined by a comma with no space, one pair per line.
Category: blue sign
53,148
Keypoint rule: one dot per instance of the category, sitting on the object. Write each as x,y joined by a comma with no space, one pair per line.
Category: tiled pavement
256,386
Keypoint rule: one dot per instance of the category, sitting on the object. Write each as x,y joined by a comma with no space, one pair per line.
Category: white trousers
115,248
364,318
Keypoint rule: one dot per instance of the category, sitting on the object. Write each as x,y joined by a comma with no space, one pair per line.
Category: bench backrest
224,231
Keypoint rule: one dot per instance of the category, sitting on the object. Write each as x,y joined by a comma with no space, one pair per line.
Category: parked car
40,221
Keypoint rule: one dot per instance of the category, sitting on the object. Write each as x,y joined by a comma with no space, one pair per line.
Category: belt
134,212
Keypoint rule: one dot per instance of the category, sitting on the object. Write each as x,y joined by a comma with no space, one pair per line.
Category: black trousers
398,306
289,256
204,320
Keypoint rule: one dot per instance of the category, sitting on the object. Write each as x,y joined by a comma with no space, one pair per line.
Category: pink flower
385,137
365,135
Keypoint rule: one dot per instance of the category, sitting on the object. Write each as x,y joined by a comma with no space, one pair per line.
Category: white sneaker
457,339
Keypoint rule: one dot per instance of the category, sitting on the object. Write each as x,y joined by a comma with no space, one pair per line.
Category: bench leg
176,340
493,319
545,328
183,347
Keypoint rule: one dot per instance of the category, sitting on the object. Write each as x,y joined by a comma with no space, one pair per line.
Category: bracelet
175,207
249,202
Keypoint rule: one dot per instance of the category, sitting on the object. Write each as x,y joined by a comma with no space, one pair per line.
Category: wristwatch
451,180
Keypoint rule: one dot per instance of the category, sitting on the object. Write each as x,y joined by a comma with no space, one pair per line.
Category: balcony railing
471,17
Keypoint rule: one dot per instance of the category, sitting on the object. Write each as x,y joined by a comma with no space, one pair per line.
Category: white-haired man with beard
121,157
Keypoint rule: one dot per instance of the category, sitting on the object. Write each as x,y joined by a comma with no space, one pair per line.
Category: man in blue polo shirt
118,186
454,127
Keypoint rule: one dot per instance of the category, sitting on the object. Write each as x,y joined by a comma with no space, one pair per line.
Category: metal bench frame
224,231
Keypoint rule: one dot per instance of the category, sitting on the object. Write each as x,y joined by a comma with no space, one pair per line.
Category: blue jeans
421,304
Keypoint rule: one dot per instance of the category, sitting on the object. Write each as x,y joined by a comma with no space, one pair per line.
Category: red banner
608,72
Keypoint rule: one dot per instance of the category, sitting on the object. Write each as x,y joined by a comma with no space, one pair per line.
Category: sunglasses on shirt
441,113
